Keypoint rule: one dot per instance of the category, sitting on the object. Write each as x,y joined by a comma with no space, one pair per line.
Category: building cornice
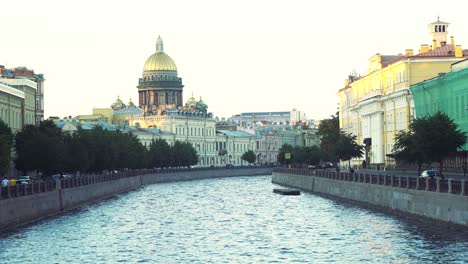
12,91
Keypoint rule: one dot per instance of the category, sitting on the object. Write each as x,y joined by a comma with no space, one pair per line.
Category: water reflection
232,220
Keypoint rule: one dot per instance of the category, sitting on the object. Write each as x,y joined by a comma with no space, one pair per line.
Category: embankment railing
451,186
85,179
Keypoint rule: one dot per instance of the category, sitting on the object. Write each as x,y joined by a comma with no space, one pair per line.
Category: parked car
229,166
430,173
311,167
326,165
57,177
24,179
60,176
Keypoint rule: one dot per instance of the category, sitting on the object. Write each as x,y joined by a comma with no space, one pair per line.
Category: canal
230,220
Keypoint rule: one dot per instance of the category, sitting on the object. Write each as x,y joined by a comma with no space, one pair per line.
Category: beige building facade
376,106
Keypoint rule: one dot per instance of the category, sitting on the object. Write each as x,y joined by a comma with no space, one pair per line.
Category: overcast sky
239,56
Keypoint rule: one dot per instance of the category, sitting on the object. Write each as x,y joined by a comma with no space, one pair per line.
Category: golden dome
159,61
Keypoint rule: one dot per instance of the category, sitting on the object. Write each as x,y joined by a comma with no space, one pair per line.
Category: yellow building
374,107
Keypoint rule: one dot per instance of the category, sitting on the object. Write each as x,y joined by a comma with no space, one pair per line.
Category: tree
407,149
286,148
329,133
347,148
249,156
440,135
430,139
312,155
76,156
39,148
6,143
184,154
159,153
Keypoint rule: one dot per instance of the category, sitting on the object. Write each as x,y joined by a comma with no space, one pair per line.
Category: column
377,138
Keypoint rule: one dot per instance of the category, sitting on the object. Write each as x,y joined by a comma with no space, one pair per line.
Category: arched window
443,28
436,28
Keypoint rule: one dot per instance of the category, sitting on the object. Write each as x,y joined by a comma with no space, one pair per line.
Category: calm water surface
231,220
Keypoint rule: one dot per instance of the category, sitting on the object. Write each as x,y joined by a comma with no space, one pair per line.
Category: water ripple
232,220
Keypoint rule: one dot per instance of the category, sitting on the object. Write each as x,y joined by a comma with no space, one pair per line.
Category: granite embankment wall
28,203
404,195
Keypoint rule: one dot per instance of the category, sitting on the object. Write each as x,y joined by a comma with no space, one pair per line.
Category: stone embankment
445,200
30,202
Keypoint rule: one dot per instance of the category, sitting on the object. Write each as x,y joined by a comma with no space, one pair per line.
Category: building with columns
11,105
159,86
36,83
247,119
269,140
377,105
18,102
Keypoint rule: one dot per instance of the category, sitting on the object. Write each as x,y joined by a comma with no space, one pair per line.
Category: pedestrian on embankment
12,182
5,184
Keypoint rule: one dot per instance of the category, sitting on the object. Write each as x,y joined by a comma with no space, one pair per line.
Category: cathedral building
159,87
160,92
161,113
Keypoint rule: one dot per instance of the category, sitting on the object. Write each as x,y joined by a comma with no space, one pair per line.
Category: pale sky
239,56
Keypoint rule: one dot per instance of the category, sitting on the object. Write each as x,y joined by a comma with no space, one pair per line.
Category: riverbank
40,201
444,201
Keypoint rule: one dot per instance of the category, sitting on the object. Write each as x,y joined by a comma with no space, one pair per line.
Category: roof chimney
458,51
424,48
408,52
452,41
434,44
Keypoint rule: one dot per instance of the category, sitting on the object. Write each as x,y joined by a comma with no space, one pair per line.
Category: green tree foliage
39,148
100,149
310,155
6,143
76,157
299,155
159,153
347,148
406,148
48,150
430,139
286,148
443,137
183,154
249,157
112,150
329,133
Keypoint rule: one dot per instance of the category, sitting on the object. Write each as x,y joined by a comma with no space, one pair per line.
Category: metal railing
452,186
85,179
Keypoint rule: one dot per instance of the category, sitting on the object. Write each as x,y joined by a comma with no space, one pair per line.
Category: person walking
5,182
13,191
12,182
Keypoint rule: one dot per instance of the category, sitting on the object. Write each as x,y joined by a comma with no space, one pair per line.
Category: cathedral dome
159,61
192,102
118,104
